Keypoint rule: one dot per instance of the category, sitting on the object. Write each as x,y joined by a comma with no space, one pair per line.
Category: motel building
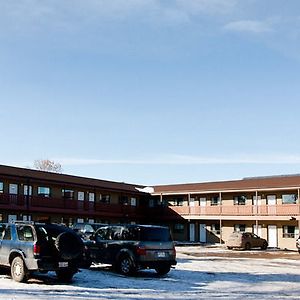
197,212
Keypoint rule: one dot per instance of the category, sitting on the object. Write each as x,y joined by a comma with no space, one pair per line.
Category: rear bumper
155,264
50,265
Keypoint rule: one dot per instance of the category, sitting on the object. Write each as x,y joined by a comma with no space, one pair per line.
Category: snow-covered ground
203,275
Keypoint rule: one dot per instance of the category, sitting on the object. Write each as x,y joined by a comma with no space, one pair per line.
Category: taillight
174,250
36,249
140,251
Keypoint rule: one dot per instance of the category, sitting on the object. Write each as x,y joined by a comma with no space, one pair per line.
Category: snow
201,273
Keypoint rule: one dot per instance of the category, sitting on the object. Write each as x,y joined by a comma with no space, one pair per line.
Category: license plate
161,254
63,264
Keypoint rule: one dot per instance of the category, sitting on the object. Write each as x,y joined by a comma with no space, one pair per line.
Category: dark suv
130,248
26,247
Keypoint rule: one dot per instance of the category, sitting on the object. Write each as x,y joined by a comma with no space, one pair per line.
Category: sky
151,92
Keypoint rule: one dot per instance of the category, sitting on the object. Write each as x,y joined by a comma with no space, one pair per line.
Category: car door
5,245
98,247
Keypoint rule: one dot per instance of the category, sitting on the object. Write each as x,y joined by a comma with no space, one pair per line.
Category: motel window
178,201
80,196
179,228
289,199
192,202
215,228
151,203
133,201
215,200
239,200
105,198
68,194
123,200
91,197
1,187
27,189
13,189
290,231
43,191
240,227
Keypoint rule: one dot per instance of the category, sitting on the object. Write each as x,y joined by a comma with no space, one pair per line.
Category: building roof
67,179
252,183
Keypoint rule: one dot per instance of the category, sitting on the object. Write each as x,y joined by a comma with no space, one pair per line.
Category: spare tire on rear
69,245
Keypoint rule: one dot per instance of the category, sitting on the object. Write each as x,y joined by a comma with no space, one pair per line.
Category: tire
247,246
18,270
264,246
229,248
163,270
69,245
65,275
126,266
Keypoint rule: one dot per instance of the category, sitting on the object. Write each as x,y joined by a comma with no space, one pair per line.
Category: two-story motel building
201,212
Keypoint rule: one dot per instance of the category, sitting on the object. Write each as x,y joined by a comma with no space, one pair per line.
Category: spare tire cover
69,245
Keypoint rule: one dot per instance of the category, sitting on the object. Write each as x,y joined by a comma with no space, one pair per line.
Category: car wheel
65,275
247,246
264,246
163,270
126,265
229,248
18,270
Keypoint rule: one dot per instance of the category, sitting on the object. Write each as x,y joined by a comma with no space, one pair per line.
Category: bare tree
47,165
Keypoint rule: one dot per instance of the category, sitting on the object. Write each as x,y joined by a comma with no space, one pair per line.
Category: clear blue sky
151,92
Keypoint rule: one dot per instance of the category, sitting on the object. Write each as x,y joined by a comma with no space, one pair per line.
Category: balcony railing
239,210
51,204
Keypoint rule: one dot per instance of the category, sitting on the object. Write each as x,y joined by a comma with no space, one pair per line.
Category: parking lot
201,273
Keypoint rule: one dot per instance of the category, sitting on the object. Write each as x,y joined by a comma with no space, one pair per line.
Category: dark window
240,227
154,234
240,200
105,198
123,200
290,231
179,228
44,191
215,228
68,194
215,201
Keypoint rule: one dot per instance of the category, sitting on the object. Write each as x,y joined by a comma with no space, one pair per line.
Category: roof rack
23,222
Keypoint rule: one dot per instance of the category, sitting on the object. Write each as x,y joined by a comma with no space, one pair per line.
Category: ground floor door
192,232
257,230
272,236
202,233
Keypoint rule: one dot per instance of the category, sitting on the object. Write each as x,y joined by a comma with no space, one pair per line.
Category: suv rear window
155,234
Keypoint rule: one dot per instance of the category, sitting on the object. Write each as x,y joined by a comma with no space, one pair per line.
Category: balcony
69,206
238,210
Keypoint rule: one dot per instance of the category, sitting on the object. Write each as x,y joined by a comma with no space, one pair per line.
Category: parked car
129,248
298,244
246,240
86,230
26,247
